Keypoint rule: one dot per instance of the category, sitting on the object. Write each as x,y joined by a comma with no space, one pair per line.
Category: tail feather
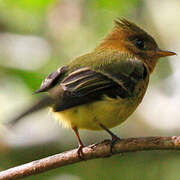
42,103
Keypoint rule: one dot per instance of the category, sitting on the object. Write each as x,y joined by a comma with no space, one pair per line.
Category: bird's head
134,41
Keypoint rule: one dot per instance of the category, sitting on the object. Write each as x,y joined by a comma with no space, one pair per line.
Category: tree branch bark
100,150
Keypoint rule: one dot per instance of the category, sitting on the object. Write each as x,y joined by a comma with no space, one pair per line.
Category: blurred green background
37,37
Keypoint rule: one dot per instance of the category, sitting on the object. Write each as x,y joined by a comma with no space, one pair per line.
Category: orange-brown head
134,41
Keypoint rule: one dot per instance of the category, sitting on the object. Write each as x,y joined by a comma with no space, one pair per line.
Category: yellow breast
109,112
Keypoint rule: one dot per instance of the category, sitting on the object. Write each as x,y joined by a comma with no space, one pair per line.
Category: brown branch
91,152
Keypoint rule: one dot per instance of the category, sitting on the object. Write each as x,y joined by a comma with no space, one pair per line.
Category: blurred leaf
31,79
24,16
119,5
28,5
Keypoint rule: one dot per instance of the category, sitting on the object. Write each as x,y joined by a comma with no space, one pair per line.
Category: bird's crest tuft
128,26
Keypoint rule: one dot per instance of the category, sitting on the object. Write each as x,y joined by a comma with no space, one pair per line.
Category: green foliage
91,20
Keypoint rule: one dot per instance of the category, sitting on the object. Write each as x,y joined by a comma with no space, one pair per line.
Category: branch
100,150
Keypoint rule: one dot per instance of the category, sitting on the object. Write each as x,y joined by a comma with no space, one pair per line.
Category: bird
101,89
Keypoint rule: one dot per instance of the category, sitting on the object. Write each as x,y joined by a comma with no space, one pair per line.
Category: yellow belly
110,112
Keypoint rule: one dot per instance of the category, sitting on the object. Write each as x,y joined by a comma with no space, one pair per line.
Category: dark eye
139,43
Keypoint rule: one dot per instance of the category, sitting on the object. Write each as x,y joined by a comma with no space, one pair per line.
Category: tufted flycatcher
101,89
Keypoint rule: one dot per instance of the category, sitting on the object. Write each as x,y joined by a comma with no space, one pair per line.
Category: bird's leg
113,136
81,145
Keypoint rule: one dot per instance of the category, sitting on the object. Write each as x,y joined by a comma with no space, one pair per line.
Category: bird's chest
109,111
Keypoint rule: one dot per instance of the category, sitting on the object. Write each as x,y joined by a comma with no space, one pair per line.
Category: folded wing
85,85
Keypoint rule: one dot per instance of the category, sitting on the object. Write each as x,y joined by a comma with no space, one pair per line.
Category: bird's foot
113,141
80,152
113,136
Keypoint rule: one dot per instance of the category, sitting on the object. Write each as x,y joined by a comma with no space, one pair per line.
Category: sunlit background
39,36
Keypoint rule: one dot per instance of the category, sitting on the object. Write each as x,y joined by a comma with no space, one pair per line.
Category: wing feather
51,79
85,86
85,81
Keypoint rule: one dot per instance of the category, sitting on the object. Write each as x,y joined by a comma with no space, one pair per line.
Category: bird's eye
139,43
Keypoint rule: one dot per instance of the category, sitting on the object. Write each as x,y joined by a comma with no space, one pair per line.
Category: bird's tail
42,103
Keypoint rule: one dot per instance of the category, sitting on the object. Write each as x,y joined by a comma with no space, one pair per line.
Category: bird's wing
85,85
52,79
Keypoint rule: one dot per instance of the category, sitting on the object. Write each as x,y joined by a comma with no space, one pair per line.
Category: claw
80,152
80,148
113,142
114,137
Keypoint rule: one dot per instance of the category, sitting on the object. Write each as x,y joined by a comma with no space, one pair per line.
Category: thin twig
92,152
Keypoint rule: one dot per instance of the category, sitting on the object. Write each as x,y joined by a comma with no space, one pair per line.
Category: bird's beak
162,53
